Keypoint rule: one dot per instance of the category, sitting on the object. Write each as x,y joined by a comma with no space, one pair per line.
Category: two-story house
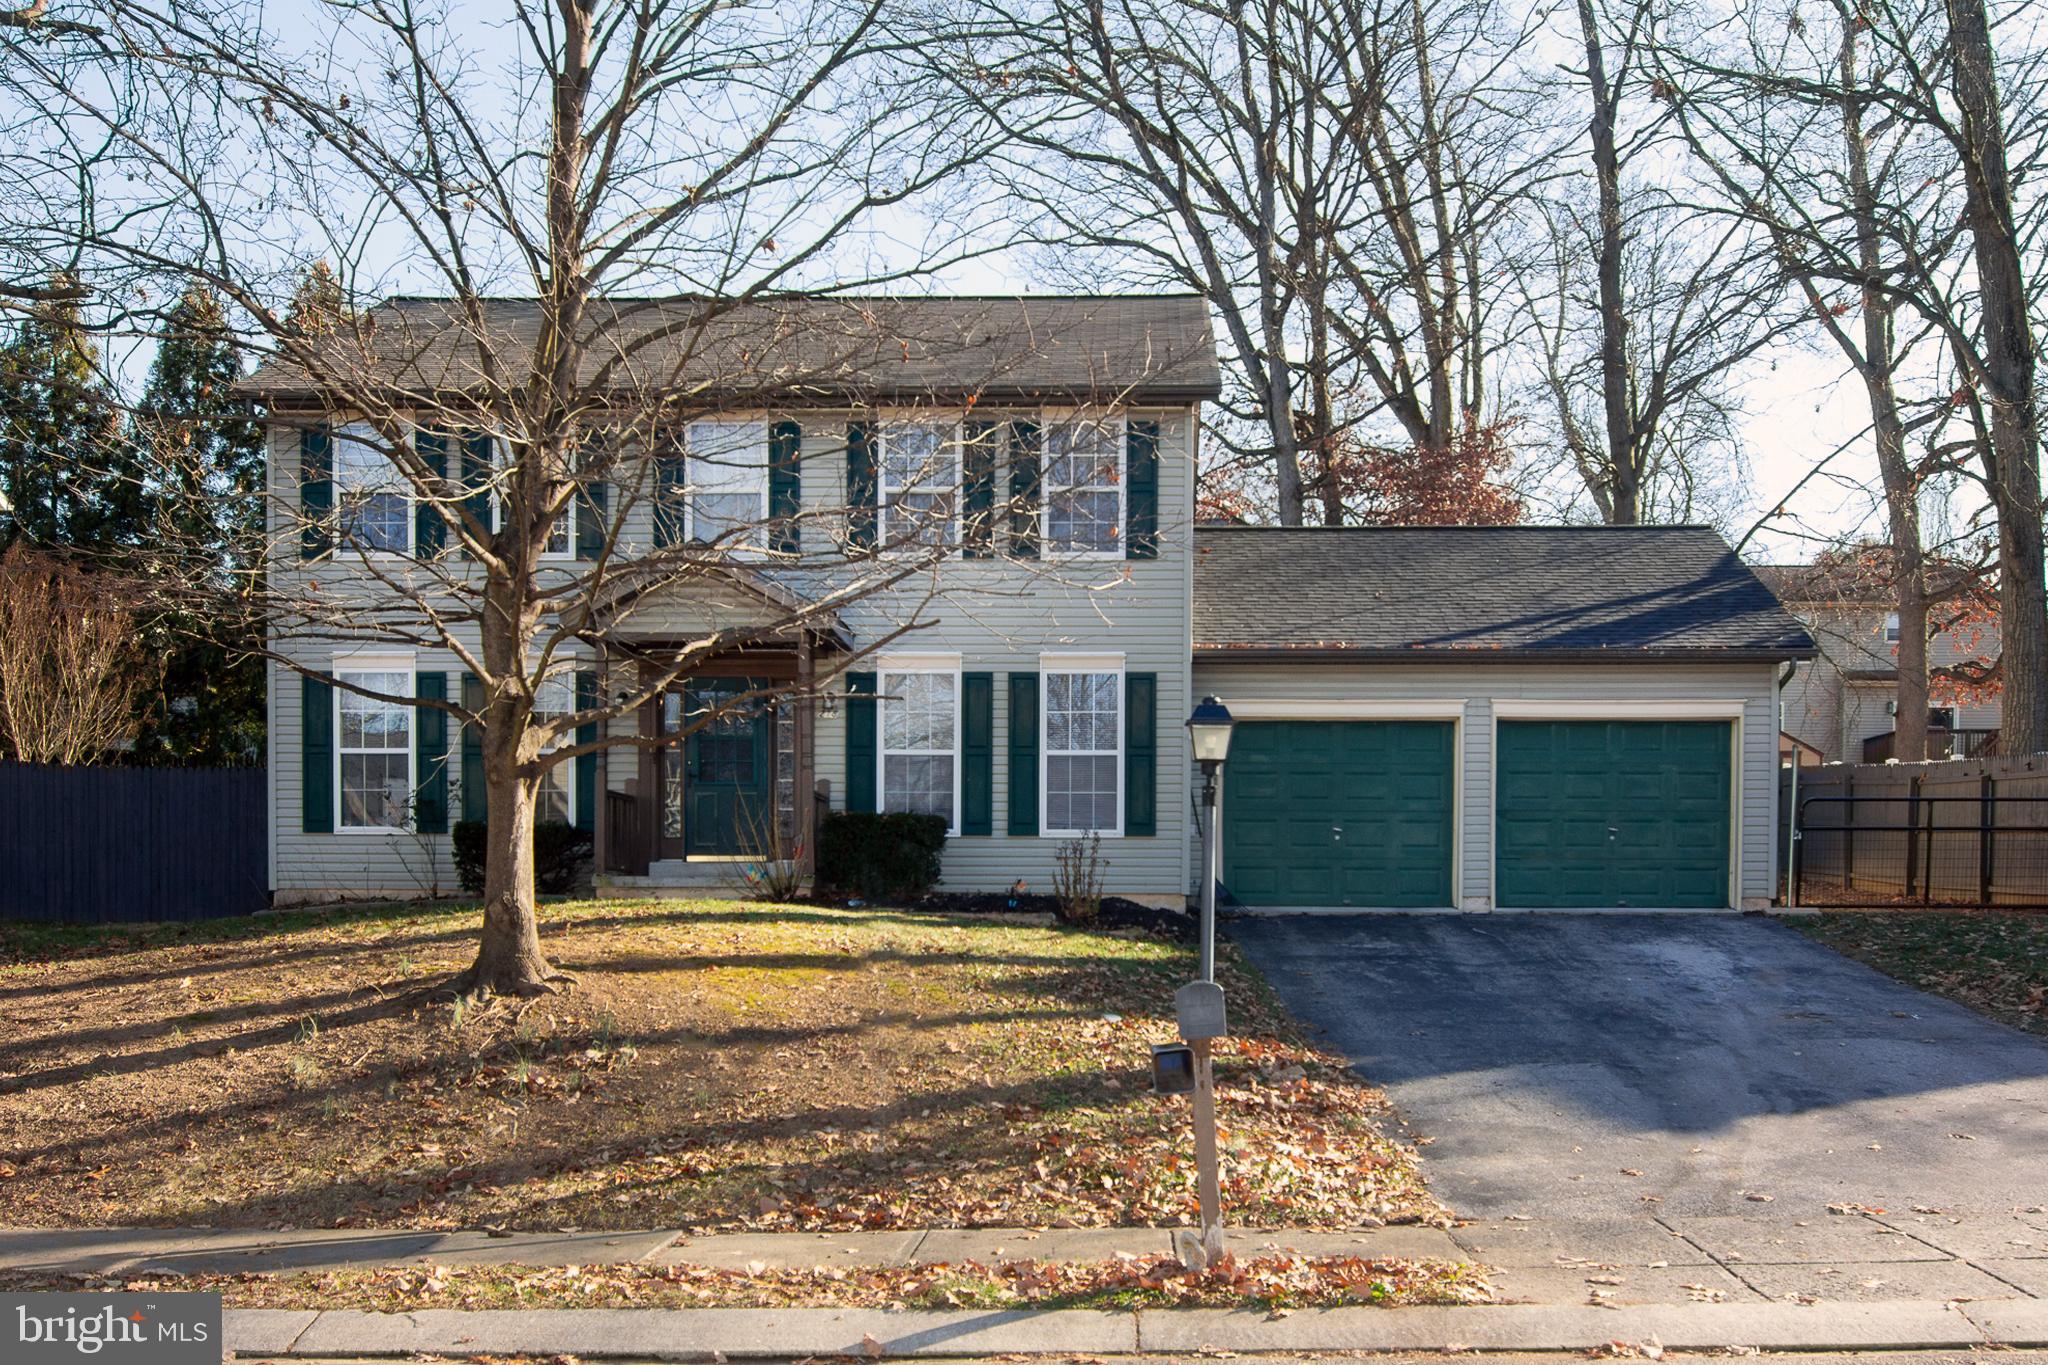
1428,717
1840,706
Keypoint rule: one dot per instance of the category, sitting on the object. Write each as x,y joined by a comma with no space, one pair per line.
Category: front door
726,768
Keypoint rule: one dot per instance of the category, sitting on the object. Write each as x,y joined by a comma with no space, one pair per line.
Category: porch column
803,799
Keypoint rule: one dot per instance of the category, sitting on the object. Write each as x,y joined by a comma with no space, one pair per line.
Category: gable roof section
1081,348
1562,593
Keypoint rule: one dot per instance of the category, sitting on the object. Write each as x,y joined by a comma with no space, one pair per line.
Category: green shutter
860,742
429,532
430,804
316,490
476,479
476,802
1141,491
671,479
785,485
1023,753
316,756
1141,753
586,764
977,753
860,486
978,475
590,520
1024,495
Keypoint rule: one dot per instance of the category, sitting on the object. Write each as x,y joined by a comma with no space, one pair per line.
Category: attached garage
1614,813
1493,718
1341,813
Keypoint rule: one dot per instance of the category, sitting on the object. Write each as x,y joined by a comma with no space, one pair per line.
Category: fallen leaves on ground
1266,1281
720,1066
1994,961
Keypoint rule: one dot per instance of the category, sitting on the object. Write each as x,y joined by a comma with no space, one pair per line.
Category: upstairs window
728,482
1084,486
920,490
1891,629
373,499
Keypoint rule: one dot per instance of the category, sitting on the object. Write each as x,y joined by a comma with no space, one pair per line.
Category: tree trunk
2014,459
1877,363
1624,473
509,960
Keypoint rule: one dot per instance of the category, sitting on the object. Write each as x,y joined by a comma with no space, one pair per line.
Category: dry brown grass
719,1066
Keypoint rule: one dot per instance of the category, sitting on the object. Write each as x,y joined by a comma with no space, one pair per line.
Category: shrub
559,852
1077,881
880,857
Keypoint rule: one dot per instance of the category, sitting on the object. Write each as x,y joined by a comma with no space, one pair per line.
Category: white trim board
1363,708
1584,708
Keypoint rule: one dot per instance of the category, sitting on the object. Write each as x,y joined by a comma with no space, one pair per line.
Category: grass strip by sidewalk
1267,1281
1994,961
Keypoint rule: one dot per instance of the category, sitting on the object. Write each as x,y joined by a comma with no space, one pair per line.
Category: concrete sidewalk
741,1333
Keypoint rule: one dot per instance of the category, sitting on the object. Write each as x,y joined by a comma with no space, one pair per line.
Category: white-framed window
373,744
920,738
553,699
561,542
920,482
727,498
1084,485
1941,717
1082,746
1891,629
372,499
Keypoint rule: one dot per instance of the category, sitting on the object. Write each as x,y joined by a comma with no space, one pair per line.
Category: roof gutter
1266,654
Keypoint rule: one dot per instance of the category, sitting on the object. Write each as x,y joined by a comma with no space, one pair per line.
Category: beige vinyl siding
1479,685
1835,713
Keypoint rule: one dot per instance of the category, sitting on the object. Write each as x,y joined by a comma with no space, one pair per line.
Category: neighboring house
1445,717
1841,704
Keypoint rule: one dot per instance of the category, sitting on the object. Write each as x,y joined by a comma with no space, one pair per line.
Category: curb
766,1333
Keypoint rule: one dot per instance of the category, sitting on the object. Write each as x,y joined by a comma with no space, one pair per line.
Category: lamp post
1200,1003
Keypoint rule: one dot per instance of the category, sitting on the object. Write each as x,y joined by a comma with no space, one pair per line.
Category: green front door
727,766
1613,813
1339,813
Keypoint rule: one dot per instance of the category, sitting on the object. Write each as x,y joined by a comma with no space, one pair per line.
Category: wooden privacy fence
97,845
1955,832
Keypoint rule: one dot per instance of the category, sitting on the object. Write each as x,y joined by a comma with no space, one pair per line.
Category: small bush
1077,881
880,857
559,853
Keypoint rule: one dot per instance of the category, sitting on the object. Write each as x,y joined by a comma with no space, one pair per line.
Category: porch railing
1958,743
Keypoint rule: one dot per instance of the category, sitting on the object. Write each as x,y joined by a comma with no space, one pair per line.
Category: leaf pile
1266,1281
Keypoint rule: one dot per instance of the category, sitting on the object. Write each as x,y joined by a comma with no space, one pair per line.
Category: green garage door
1613,813
1339,813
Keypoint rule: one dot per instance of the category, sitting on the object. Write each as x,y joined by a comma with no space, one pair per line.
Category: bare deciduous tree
73,670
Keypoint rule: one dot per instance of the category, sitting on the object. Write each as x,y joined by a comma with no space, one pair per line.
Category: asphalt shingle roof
1110,347
1408,592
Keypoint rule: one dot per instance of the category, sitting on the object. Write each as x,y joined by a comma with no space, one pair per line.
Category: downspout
1792,799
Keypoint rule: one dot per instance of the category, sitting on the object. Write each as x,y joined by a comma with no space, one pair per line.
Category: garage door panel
1621,813
1339,813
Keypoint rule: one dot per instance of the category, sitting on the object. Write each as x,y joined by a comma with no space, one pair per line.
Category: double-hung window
561,541
553,699
1083,709
374,501
920,491
728,482
920,749
1891,629
1084,486
374,750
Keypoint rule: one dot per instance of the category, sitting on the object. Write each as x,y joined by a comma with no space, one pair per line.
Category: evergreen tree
202,456
67,473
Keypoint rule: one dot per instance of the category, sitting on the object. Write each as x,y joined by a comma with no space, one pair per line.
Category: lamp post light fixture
1199,1004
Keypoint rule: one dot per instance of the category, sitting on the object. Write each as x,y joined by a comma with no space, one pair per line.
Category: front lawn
1994,961
719,1066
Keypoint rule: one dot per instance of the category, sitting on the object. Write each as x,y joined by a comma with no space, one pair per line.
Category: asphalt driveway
1602,1066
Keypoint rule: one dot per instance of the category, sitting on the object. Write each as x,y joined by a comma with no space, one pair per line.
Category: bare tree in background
1639,307
73,669
718,151
1329,174
1869,142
